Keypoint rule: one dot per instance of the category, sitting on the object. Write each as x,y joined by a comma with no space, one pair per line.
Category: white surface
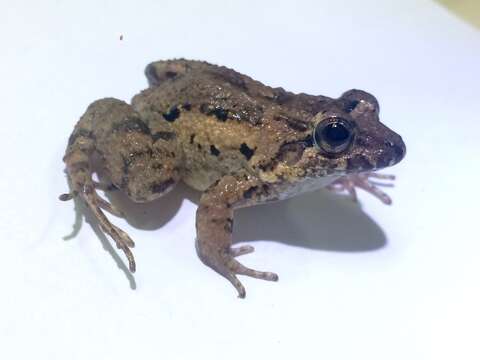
398,282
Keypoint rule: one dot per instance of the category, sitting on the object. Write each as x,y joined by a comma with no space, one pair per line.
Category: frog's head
350,138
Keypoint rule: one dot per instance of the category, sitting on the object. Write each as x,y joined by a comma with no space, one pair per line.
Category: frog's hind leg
82,145
364,181
83,186
214,228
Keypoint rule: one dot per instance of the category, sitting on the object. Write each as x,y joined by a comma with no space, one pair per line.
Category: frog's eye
333,135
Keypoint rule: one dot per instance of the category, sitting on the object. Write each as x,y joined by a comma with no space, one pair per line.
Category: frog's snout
394,151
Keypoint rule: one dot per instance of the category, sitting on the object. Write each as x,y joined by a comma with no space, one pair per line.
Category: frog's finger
349,183
376,183
236,284
233,267
263,275
126,239
375,191
108,206
241,250
381,176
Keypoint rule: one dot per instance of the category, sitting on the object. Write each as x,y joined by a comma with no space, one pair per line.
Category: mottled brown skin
238,141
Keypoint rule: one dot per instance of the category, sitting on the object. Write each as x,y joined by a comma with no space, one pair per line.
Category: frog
239,142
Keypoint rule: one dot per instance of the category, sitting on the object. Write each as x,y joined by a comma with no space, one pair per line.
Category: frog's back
220,116
209,89
218,91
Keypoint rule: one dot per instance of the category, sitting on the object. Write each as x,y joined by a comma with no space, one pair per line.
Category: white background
356,282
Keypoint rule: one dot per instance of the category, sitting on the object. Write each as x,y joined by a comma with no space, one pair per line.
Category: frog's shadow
319,220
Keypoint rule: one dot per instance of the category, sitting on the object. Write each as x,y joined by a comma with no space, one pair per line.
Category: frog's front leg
215,223
363,181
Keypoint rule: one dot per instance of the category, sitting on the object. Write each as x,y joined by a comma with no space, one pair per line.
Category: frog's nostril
389,143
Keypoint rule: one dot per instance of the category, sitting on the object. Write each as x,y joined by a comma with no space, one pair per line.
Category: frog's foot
225,264
95,204
215,226
233,267
121,238
363,181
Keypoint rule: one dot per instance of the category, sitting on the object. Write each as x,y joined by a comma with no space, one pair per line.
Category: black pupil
335,134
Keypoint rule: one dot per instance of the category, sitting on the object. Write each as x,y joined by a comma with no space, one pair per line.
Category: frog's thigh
141,162
214,227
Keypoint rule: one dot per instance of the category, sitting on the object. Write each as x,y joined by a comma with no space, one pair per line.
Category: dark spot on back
192,137
132,124
214,151
292,123
249,193
170,74
172,114
187,106
164,135
220,113
246,151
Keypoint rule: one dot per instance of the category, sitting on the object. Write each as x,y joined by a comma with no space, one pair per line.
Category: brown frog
238,141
